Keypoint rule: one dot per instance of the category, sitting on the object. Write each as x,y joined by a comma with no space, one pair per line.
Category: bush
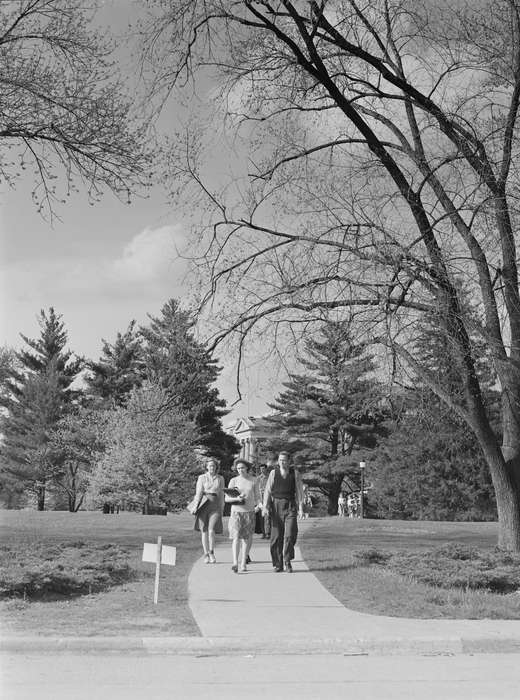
452,566
75,568
365,557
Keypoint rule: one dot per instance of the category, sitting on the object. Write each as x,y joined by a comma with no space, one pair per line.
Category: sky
101,266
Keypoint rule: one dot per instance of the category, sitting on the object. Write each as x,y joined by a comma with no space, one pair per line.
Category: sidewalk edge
243,646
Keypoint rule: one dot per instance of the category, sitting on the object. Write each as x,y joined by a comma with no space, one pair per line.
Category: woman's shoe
234,568
243,569
248,559
206,559
212,559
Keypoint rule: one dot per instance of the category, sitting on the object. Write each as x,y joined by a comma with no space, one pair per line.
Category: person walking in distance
262,481
283,499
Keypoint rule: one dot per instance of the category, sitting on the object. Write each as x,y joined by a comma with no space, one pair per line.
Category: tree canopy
382,141
65,110
149,456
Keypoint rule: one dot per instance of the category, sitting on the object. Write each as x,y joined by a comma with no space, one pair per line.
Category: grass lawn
328,544
127,609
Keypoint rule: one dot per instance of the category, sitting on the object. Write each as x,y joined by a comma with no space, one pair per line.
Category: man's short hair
284,453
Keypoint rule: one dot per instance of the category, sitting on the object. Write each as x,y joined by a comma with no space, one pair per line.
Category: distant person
342,502
265,525
352,505
243,508
283,499
208,519
307,502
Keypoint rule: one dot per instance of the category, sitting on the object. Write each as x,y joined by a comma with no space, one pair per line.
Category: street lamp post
362,466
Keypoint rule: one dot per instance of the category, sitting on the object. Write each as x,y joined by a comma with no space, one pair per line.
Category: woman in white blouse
208,519
242,519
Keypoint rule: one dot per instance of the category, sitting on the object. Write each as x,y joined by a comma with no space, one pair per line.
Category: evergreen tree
10,489
332,410
431,467
185,368
36,394
119,369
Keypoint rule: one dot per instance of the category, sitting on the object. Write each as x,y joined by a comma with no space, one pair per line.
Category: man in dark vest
283,500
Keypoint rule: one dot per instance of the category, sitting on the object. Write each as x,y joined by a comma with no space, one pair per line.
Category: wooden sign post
157,570
160,555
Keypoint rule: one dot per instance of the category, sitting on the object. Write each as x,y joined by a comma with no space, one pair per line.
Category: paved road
134,677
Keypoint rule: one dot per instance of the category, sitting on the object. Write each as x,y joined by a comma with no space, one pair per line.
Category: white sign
168,554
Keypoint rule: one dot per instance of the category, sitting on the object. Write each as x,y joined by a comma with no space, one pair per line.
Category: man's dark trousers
284,531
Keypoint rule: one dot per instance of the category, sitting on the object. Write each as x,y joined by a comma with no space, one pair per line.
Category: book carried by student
233,495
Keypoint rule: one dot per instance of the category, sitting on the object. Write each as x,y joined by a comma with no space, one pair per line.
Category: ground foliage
41,570
451,566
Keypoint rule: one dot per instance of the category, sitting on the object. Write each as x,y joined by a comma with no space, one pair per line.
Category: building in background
252,433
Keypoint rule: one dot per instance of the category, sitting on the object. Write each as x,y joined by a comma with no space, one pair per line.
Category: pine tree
119,369
36,394
431,466
333,409
186,369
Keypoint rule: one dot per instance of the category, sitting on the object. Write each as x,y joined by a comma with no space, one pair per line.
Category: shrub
39,570
451,566
460,566
365,557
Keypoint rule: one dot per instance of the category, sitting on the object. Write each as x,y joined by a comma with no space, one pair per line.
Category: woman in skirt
242,519
208,519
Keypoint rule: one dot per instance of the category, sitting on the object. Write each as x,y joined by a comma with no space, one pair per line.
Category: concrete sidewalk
278,611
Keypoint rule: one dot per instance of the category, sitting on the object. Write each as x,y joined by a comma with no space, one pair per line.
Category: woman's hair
215,462
241,460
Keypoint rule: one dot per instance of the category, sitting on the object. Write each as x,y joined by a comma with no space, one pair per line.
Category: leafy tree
187,371
37,394
382,139
75,443
119,369
333,409
64,108
149,456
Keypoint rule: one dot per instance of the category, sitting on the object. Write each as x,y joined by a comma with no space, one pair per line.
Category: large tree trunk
504,466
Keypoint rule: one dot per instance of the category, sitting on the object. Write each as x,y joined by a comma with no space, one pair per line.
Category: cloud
151,254
98,294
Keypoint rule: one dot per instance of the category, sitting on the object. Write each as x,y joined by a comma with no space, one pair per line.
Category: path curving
266,608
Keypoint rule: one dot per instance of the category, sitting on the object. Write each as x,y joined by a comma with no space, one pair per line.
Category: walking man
283,499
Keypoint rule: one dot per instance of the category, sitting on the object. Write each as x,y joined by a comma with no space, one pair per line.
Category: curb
244,646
